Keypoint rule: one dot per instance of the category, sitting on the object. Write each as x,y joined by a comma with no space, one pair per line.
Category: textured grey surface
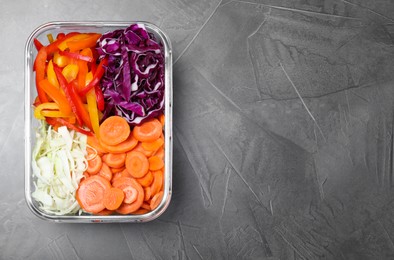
283,124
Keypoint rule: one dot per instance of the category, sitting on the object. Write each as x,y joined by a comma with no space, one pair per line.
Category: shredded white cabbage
58,163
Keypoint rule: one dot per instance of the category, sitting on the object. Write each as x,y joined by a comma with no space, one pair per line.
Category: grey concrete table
283,118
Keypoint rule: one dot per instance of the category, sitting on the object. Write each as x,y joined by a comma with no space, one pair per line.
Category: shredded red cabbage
133,83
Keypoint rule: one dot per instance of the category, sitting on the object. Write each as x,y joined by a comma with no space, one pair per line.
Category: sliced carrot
116,170
94,165
115,160
90,193
147,180
145,206
134,195
148,131
155,163
118,175
141,149
160,153
114,130
148,193
123,147
105,172
105,212
157,182
157,198
161,119
137,164
113,198
140,211
86,175
93,142
153,146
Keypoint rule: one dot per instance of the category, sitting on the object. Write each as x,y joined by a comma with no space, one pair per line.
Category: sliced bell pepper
37,44
60,36
82,113
77,37
57,96
54,113
76,56
50,37
47,106
93,111
54,46
99,97
51,75
61,121
70,72
39,65
60,60
96,77
88,42
66,88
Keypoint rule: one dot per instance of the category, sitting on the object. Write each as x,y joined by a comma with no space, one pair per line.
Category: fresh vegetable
114,130
58,162
133,84
100,147
91,193
148,131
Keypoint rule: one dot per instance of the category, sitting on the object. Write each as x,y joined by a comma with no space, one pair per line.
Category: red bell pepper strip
81,110
37,44
39,65
67,91
99,97
96,77
60,36
76,56
58,120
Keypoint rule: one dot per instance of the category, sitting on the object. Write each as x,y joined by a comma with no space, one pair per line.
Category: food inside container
98,122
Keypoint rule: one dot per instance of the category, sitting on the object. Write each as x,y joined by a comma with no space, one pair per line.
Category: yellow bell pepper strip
54,113
93,111
37,44
76,56
61,121
89,42
59,60
77,37
47,106
70,72
57,96
39,65
96,78
50,37
82,113
51,76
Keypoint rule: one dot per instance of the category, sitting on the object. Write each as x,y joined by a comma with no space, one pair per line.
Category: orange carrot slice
90,193
114,130
137,164
113,198
148,131
147,180
156,200
155,163
134,195
123,147
94,165
115,160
